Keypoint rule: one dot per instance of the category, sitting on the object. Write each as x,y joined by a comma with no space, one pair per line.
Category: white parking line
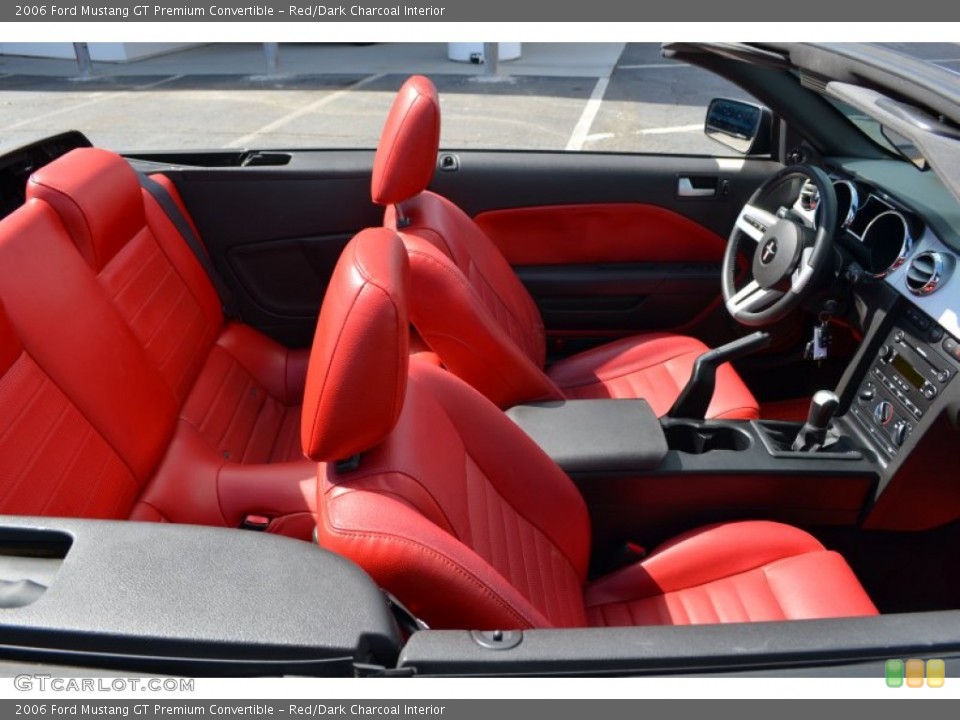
593,137
653,66
300,112
582,128
672,129
93,100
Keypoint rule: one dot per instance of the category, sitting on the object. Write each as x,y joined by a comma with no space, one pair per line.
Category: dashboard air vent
925,273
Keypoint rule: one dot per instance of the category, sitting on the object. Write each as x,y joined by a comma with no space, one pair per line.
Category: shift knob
822,407
813,433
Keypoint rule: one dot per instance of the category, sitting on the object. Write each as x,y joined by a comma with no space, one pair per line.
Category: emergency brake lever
696,395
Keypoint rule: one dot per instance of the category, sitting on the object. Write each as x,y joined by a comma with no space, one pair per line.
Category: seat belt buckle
258,523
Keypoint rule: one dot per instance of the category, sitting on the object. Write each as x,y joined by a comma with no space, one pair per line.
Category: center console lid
595,435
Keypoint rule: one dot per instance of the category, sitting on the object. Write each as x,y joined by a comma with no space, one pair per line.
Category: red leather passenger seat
111,304
472,310
453,509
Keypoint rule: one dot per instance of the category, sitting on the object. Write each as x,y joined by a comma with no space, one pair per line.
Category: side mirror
740,126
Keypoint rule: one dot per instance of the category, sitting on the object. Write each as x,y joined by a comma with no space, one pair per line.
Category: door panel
583,303
599,233
480,181
610,245
275,233
287,278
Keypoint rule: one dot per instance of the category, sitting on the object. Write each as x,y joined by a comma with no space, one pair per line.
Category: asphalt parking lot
578,96
591,96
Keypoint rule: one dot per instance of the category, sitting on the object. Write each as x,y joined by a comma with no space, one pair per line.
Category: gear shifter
813,434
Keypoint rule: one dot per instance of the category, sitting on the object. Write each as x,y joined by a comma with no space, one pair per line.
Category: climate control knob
900,432
883,412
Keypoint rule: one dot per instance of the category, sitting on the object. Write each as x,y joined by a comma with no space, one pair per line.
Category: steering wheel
786,228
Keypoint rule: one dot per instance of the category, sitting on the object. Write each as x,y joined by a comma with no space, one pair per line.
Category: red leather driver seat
431,489
473,312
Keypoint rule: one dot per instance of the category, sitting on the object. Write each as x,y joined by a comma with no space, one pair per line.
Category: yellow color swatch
936,672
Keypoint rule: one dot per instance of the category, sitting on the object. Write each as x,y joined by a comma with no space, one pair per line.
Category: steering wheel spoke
750,297
754,221
804,272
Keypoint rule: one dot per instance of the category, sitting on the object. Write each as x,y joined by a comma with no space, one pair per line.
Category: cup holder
699,439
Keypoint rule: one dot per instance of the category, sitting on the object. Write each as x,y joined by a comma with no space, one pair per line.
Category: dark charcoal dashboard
912,358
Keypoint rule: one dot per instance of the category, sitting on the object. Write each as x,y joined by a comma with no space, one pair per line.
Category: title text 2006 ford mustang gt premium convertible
562,413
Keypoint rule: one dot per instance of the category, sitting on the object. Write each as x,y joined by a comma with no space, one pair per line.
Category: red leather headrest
407,154
357,376
97,196
10,347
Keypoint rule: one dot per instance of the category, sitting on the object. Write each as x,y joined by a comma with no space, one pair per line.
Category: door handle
706,187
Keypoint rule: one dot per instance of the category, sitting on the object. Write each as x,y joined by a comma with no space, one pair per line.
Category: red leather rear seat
241,391
78,436
54,460
115,308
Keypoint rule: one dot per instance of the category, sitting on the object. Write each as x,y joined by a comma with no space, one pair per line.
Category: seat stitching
217,396
37,450
147,196
47,379
449,562
155,289
29,402
235,417
74,456
375,473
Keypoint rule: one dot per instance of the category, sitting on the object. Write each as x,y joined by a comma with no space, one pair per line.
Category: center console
914,365
878,453
640,474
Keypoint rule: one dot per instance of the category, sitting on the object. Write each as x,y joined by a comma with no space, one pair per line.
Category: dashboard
890,242
917,354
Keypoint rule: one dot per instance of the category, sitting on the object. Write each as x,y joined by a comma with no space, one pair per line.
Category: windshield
944,56
882,136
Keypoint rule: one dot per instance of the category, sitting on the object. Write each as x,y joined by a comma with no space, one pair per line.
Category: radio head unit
910,370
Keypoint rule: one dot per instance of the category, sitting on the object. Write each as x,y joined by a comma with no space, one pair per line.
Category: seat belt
173,212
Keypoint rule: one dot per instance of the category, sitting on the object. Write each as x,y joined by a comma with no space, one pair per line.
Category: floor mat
902,571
